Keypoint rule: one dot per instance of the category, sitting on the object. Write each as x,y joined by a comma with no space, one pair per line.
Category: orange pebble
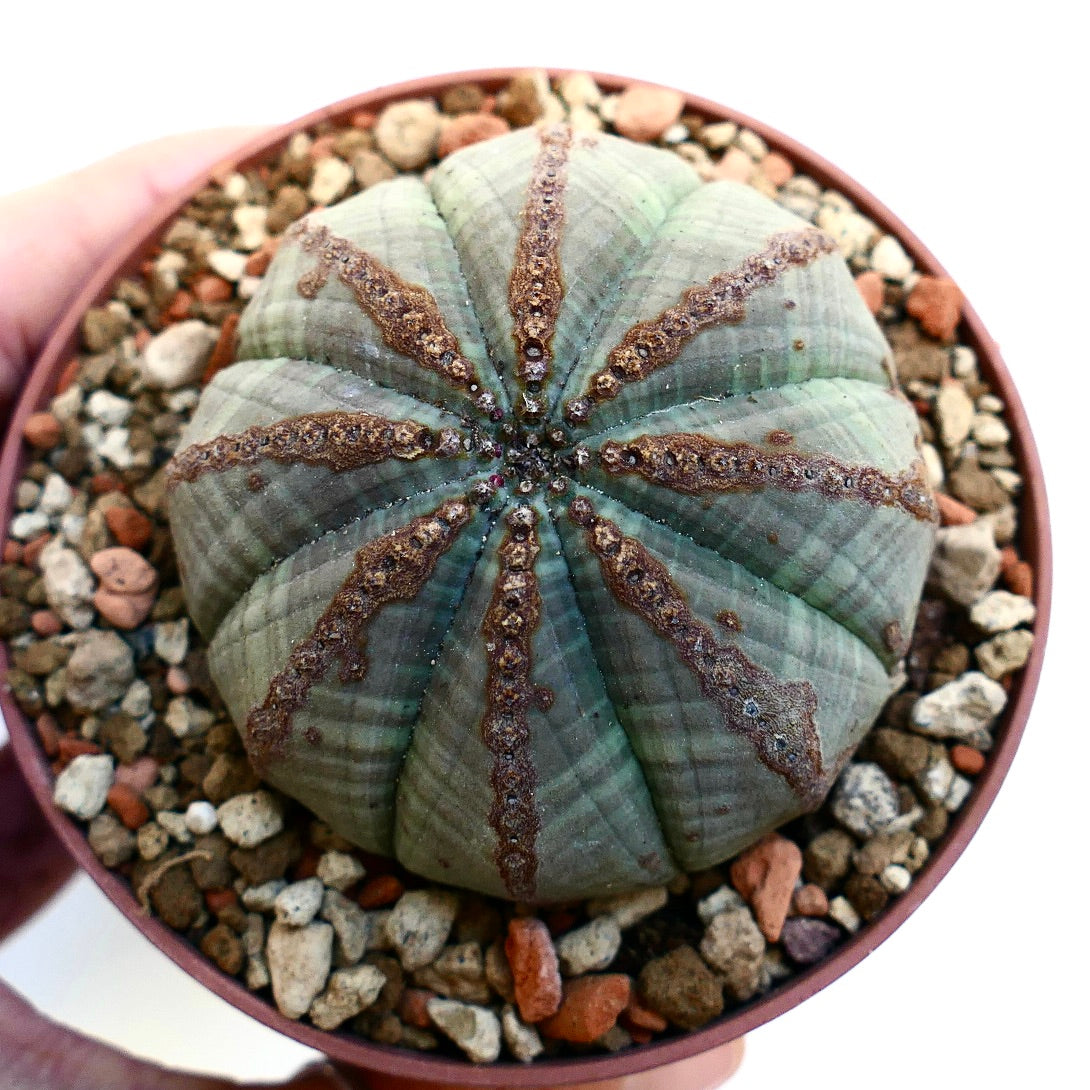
935,302
412,1007
32,550
954,512
383,889
212,289
219,899
48,734
42,431
67,376
873,289
590,1007
13,551
637,1016
967,759
777,168
69,747
130,527
46,623
179,306
534,968
223,354
128,805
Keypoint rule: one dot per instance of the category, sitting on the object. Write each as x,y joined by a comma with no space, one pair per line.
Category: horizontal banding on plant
699,465
653,344
338,441
776,716
391,568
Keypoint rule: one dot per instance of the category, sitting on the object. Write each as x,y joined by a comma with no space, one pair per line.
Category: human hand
52,239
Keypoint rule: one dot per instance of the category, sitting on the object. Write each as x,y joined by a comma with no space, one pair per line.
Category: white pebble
299,960
954,410
353,927
589,948
841,912
889,258
187,719
172,641
176,357
114,447
82,786
108,409
895,878
200,817
865,800
56,495
1006,652
28,525
989,430
523,1041
297,904
964,708
330,180
721,900
229,264
262,898
249,221
250,819
349,992
959,792
1000,611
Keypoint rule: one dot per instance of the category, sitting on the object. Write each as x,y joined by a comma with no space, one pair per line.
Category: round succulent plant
560,527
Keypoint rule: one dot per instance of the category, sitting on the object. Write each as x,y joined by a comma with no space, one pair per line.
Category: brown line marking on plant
653,344
406,314
335,440
392,568
508,628
776,716
698,465
535,291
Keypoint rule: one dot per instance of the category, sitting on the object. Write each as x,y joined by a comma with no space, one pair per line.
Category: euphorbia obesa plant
560,526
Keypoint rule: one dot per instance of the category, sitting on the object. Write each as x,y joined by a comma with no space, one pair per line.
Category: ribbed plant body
560,526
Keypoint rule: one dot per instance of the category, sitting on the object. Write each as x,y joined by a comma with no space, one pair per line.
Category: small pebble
534,968
840,910
174,823
1005,653
99,671
681,988
201,817
349,992
590,948
419,925
644,112
523,1041
629,908
807,940
68,583
810,900
330,180
123,571
354,928
81,788
42,430
722,899
965,563
765,875
865,799
475,1030
954,413
935,302
176,357
895,878
339,870
299,960
250,819
172,641
467,129
963,709
407,132
733,944
590,1007
889,258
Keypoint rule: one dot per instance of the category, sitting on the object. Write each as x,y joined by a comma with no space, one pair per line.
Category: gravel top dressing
107,664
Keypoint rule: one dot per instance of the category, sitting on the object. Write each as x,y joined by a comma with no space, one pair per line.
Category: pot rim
1035,546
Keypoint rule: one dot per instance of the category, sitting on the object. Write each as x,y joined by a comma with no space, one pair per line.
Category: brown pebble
810,900
223,354
179,306
131,528
954,512
1016,573
866,894
534,967
935,302
69,747
42,431
13,552
48,734
218,900
125,611
45,622
872,287
128,805
468,129
967,759
102,483
682,988
644,112
225,948
383,889
765,876
590,1007
67,376
123,571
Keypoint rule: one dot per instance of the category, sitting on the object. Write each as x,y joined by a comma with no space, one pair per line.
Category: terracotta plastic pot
702,1059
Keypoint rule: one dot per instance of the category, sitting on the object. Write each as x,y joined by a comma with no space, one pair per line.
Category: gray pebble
419,924
353,926
1006,652
475,1030
299,960
68,583
963,709
250,819
298,903
589,948
865,799
339,870
965,563
349,992
407,132
734,946
629,908
99,671
523,1041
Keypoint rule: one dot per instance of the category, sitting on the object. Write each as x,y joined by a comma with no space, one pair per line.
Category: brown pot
699,1060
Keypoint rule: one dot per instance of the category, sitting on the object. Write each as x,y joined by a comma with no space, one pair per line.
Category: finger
38,1054
53,236
33,862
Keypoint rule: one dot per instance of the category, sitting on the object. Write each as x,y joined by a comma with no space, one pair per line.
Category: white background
959,117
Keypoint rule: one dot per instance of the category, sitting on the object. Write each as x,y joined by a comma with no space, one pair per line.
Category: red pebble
967,759
637,1016
32,550
213,289
954,512
223,354
179,306
362,119
534,968
69,747
128,805
48,734
1017,573
412,1007
104,482
42,431
384,889
935,302
130,527
873,289
765,876
219,899
46,623
67,376
13,551
777,168
591,1005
